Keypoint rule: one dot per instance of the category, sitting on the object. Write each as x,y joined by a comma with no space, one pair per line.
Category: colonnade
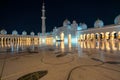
6,40
100,36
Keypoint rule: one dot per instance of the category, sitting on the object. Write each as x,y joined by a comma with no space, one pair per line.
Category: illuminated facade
101,32
67,32
80,32
15,38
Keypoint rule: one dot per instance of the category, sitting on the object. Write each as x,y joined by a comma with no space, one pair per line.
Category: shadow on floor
34,76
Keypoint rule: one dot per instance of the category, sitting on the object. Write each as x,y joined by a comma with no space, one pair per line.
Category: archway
92,36
62,36
88,36
81,37
107,35
85,37
97,36
101,36
118,37
113,35
69,38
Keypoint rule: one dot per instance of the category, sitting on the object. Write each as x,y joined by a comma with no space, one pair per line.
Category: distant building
101,31
80,31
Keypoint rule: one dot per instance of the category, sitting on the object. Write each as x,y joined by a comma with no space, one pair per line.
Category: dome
32,33
3,32
14,32
117,20
74,22
83,25
98,23
38,33
24,33
66,22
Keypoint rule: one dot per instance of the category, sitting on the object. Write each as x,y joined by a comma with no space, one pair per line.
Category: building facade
80,32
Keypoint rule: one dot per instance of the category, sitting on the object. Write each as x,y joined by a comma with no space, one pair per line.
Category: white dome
38,33
66,22
32,33
14,32
24,33
74,24
117,20
83,25
98,23
3,32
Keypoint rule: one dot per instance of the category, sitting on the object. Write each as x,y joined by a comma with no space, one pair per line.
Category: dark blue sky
26,14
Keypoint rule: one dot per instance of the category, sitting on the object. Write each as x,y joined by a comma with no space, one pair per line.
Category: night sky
26,14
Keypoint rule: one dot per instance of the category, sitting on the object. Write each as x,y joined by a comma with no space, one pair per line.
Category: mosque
80,32
69,32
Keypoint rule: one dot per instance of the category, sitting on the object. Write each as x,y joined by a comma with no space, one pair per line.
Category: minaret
43,19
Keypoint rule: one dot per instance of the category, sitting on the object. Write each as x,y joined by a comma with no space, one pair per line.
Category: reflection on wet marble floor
83,61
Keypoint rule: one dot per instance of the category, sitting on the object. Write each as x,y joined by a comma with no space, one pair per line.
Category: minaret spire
43,19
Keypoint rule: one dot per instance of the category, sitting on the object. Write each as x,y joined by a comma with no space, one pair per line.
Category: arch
97,36
85,37
81,37
101,36
4,39
92,36
69,38
62,36
113,35
88,36
107,35
118,37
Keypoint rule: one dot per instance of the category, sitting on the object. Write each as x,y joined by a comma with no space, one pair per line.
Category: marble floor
61,63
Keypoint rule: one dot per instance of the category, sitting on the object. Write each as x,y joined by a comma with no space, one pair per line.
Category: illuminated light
84,44
62,36
56,37
57,44
79,28
102,46
62,46
69,42
107,46
107,35
92,45
112,37
43,40
88,44
113,46
54,40
69,38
